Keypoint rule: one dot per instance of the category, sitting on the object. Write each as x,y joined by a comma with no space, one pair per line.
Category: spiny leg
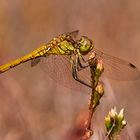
75,74
81,60
80,65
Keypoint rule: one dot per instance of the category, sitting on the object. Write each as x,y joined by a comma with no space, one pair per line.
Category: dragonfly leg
81,58
75,76
81,65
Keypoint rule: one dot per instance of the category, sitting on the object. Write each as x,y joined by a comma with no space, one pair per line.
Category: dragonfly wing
118,69
59,69
74,34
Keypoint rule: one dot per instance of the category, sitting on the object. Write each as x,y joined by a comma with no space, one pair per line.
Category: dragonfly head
85,45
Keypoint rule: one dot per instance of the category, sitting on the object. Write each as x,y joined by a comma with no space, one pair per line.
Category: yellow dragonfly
64,49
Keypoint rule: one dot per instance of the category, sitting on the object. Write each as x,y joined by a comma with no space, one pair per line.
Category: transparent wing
118,69
59,69
73,34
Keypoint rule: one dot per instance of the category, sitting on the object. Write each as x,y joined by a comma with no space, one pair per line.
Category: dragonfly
67,52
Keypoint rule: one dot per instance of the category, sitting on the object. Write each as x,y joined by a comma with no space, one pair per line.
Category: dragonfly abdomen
35,54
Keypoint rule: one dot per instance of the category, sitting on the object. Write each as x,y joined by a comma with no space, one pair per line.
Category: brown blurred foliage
33,106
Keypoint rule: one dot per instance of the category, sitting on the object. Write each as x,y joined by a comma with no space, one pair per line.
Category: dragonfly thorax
85,45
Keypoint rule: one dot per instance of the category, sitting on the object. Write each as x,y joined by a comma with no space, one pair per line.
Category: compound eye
85,45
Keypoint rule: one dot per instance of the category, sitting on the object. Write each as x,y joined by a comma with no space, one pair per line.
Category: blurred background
35,107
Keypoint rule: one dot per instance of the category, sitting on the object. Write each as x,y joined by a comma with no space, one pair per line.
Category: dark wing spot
35,61
132,66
